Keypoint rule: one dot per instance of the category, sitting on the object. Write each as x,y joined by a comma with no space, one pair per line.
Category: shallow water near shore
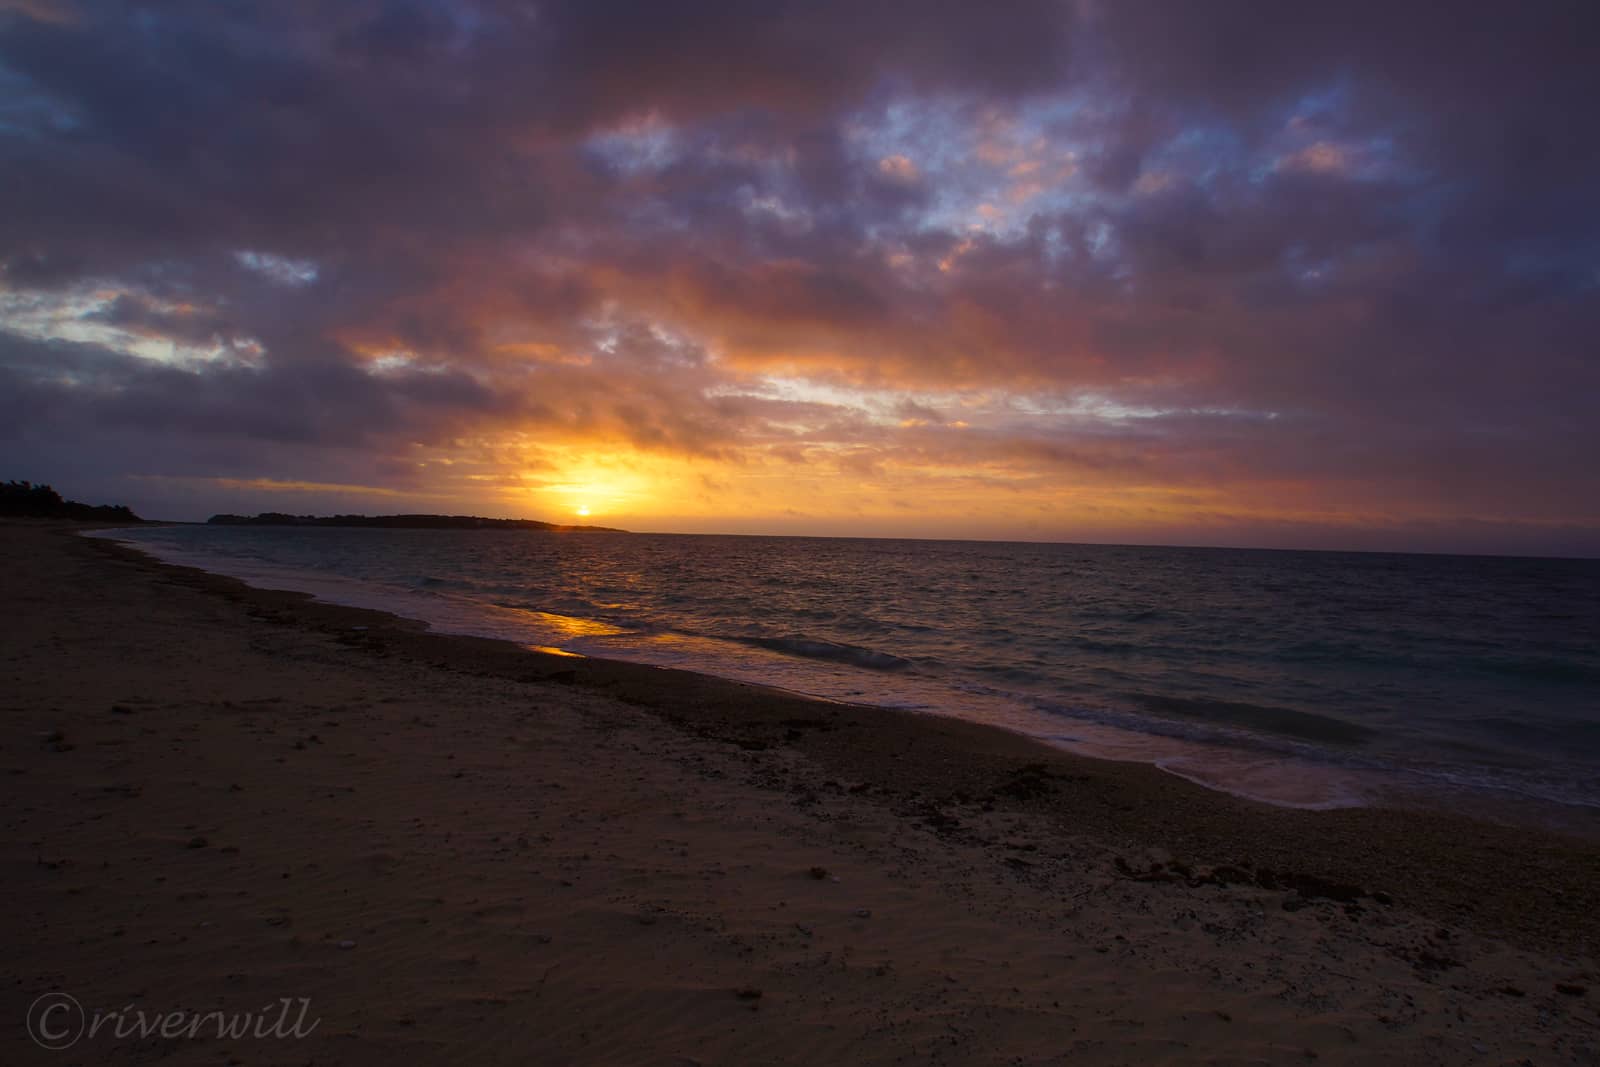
1307,679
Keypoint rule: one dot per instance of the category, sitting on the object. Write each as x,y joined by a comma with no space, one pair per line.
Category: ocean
1305,679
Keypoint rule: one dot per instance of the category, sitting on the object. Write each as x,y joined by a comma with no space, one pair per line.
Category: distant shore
402,522
430,799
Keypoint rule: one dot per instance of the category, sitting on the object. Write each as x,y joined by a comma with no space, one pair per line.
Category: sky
1306,274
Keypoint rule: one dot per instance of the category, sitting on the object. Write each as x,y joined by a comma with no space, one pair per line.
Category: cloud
1334,261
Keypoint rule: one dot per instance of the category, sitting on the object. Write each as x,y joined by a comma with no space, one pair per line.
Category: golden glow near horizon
819,489
895,480
827,489
586,483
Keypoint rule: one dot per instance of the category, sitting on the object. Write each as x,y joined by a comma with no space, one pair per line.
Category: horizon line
586,528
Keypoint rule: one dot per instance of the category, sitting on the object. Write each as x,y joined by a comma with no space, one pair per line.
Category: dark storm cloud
1348,246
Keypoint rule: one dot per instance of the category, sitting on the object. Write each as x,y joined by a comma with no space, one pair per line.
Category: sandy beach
449,850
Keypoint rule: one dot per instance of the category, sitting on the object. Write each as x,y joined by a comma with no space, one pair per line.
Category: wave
1306,725
832,651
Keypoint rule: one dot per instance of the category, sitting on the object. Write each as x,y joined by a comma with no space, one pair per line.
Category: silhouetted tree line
24,499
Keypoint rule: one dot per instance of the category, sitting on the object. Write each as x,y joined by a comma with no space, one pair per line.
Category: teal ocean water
1312,679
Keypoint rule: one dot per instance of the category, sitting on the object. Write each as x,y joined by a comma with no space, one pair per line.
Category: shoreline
1280,769
219,795
1135,806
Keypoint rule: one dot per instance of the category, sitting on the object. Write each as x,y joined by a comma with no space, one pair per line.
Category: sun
583,510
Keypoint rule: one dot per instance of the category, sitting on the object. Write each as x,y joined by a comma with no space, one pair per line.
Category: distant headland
402,522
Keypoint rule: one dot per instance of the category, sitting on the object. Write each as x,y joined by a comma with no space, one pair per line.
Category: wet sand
458,850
